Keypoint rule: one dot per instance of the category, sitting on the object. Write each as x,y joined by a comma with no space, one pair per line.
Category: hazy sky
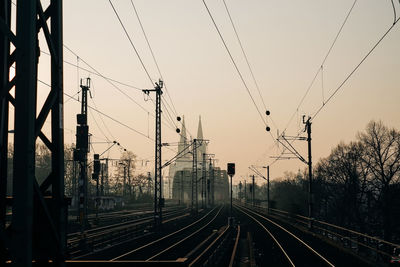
285,42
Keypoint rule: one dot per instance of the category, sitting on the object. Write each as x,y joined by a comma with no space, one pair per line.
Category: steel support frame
5,15
203,182
38,224
158,178
194,206
158,199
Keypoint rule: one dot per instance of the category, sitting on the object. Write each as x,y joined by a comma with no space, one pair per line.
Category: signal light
231,169
96,164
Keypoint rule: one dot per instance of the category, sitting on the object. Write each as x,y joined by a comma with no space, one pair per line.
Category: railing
364,245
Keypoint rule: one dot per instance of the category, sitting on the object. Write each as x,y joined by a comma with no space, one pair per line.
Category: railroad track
126,218
100,237
106,218
190,245
287,248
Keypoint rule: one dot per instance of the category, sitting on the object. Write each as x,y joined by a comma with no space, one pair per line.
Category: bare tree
344,175
381,153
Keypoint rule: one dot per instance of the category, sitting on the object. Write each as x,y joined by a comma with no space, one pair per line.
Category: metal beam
24,137
42,209
5,15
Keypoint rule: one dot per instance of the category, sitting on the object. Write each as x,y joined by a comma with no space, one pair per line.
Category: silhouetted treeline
357,186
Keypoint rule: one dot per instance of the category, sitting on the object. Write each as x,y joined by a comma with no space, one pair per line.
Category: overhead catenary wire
247,61
355,69
105,126
394,12
113,119
322,64
249,66
154,58
92,71
131,42
244,54
108,80
102,113
106,115
101,118
233,61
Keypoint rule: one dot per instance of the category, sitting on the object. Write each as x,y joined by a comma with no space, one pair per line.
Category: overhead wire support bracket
291,148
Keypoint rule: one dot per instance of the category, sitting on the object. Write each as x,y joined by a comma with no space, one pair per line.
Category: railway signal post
231,173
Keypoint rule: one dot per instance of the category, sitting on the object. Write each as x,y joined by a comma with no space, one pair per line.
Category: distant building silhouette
181,171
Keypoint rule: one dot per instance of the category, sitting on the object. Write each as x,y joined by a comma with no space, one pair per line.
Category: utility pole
212,182
203,182
268,189
80,154
95,176
149,183
124,185
102,167
75,193
240,191
107,183
245,192
253,189
181,189
310,192
296,154
209,183
194,177
158,199
129,179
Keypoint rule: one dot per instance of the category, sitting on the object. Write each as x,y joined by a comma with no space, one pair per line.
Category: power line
131,42
92,72
355,69
154,58
108,80
323,62
105,126
102,113
244,54
233,61
101,118
248,64
113,119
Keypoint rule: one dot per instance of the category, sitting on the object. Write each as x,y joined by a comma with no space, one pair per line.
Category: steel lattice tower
158,199
39,215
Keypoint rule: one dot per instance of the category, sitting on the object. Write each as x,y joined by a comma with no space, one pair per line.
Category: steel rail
162,238
271,235
291,234
194,262
235,247
184,239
